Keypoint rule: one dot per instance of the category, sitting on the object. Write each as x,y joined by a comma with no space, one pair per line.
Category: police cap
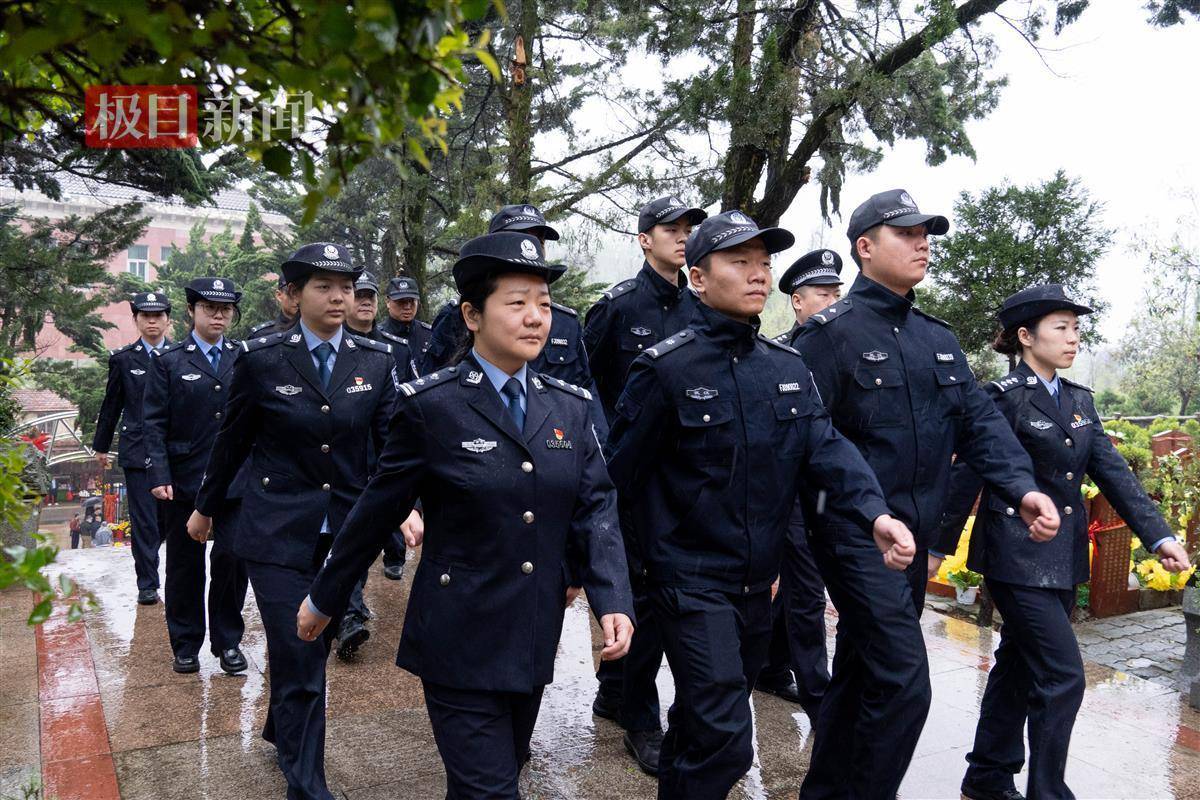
896,208
1035,303
729,229
500,253
667,209
401,287
818,268
150,301
214,290
323,256
525,218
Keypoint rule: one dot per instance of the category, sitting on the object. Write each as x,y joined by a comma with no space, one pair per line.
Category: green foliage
1136,456
1009,238
1128,433
378,72
964,578
1109,402
1083,595
79,381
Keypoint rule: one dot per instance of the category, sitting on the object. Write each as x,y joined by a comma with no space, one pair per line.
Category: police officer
515,497
631,316
797,664
445,334
403,300
128,368
287,313
1038,674
361,320
302,406
898,386
183,407
716,431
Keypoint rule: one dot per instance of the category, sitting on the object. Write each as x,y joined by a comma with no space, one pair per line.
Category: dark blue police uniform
630,317
717,430
445,334
898,386
417,334
182,410
128,369
281,323
306,441
511,512
1038,676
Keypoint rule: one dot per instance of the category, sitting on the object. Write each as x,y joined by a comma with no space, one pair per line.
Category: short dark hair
871,233
705,263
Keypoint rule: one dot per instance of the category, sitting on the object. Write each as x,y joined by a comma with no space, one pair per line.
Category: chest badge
787,388
701,393
1080,421
1041,424
559,442
288,390
191,376
640,331
138,372
875,356
560,342
478,446
944,358
358,386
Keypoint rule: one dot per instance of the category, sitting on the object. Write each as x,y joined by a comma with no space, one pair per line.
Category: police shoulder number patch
839,309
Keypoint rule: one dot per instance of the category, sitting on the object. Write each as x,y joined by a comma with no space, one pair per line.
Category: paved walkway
96,709
1148,644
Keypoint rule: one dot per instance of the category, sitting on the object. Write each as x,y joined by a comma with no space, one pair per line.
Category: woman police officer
302,405
516,498
1038,674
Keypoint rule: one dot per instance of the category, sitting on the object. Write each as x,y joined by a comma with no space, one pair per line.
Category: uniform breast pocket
706,432
878,397
792,416
633,343
560,351
950,382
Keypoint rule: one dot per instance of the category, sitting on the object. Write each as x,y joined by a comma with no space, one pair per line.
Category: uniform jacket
418,334
183,406
716,431
1065,444
128,371
898,386
307,447
505,514
406,365
630,317
277,325
444,336
565,357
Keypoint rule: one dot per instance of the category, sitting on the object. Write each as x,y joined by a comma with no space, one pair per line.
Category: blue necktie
512,390
214,358
323,351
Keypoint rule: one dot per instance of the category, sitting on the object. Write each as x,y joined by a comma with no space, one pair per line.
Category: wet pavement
96,709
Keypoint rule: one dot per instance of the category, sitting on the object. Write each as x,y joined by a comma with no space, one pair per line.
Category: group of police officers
752,475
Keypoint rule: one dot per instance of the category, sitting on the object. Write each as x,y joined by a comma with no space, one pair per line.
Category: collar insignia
474,378
295,337
1031,381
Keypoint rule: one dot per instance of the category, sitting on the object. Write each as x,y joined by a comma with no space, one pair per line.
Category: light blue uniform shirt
498,377
206,348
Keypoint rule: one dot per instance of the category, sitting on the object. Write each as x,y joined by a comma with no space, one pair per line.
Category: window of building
139,260
165,253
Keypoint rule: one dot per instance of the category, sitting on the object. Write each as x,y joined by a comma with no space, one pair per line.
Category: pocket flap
706,414
878,377
955,375
793,407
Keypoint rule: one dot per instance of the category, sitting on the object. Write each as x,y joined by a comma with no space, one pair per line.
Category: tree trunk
416,246
745,158
1185,400
520,105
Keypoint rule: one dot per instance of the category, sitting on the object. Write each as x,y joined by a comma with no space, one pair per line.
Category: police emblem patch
827,258
740,218
191,376
701,393
528,249
1041,424
944,358
474,378
288,390
875,356
219,285
478,446
141,372
150,298
638,330
331,251
906,198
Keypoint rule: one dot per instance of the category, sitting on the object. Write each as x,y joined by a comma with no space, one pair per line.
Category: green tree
1008,238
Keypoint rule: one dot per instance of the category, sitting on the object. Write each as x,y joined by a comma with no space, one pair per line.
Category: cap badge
906,198
675,201
478,446
740,218
875,356
827,258
528,249
702,393
218,285
402,284
531,211
331,251
150,298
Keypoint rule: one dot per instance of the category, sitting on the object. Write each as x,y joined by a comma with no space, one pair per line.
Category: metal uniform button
527,568
325,487
217,388
895,330
953,378
266,481
1068,510
122,427
1069,443
562,358
324,409
444,580
526,466
639,347
735,359
1010,511
324,448
528,517
1070,476
745,590
879,381
707,418
217,415
793,411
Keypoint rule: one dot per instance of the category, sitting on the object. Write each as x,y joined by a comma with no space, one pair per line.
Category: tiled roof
74,186
41,401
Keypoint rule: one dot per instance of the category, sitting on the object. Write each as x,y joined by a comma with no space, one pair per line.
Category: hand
103,460
199,526
308,624
618,630
572,593
163,492
935,563
413,529
1173,557
894,540
1040,515
774,589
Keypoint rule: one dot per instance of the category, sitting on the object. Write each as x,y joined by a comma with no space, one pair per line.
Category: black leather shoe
606,706
147,597
645,747
393,572
232,661
785,689
970,792
185,664
351,636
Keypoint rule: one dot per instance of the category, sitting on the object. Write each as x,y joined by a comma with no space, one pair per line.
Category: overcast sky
1121,114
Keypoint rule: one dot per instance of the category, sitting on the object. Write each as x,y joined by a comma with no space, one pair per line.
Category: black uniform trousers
798,621
865,740
709,744
1037,676
394,550
184,595
631,681
483,738
296,714
145,527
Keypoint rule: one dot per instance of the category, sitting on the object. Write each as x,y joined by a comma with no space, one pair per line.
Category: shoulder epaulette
1010,381
392,336
269,340
428,381
564,309
425,325
931,317
672,342
129,346
618,289
778,344
353,339
1070,382
262,326
173,346
839,309
569,388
